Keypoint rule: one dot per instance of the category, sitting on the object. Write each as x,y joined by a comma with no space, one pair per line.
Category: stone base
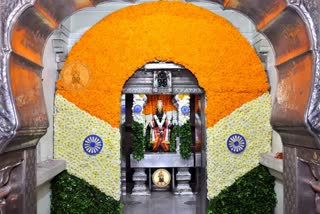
183,182
140,177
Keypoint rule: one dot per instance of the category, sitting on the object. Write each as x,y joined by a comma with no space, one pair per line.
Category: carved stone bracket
10,10
315,185
4,188
309,10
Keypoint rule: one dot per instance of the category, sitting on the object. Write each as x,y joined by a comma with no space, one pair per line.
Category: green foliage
138,143
251,194
72,195
147,139
185,140
173,137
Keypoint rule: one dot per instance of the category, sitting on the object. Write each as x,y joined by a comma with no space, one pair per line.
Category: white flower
251,121
72,126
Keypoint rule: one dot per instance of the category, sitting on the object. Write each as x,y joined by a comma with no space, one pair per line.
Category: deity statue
160,132
161,181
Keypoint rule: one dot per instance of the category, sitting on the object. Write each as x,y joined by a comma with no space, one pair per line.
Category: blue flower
236,143
92,144
123,109
137,109
185,109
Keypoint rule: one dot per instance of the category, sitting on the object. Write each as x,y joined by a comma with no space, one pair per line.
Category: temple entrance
163,136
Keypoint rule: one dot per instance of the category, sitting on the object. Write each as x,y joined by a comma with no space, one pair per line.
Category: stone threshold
274,165
47,170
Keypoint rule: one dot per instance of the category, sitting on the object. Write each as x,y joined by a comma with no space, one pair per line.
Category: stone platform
164,160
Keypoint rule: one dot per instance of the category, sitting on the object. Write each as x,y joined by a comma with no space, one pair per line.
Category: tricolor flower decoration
166,31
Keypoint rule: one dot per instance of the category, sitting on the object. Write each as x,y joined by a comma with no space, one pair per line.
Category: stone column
139,178
183,178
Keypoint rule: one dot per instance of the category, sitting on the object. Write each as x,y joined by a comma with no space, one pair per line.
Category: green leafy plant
148,144
173,137
251,194
72,195
138,143
185,140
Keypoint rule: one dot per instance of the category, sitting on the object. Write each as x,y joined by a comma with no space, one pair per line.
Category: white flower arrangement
71,127
182,102
251,121
139,101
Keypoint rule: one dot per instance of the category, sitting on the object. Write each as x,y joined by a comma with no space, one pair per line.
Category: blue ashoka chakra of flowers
236,143
123,109
185,109
137,109
92,144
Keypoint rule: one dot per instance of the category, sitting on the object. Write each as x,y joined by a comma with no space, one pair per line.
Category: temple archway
217,71
181,98
294,42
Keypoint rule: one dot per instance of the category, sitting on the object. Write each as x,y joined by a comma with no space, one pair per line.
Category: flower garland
173,138
138,142
185,140
182,102
167,31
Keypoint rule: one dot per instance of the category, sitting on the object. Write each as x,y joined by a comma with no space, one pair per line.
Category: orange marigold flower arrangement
224,63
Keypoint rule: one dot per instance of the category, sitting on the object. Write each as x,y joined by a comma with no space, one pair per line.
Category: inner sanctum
161,149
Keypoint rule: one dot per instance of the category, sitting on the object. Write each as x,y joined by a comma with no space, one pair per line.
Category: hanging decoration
182,103
185,140
138,144
139,101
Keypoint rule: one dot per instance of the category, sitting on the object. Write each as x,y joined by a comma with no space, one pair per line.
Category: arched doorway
295,43
184,161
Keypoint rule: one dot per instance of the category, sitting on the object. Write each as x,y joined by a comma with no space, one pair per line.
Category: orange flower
225,64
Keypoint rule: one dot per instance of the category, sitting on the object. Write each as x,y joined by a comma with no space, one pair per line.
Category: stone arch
291,27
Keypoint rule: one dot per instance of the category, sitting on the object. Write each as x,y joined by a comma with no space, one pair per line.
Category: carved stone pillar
302,174
18,182
140,178
183,178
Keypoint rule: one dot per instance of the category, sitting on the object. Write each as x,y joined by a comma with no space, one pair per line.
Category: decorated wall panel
235,83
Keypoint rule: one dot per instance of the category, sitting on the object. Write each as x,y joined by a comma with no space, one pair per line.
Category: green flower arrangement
185,140
138,141
251,194
72,195
173,138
